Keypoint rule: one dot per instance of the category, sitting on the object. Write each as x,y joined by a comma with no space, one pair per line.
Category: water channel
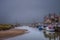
35,34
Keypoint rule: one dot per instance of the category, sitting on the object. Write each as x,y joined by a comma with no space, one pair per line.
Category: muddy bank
11,33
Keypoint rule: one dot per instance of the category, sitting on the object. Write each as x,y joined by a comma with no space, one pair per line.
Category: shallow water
35,34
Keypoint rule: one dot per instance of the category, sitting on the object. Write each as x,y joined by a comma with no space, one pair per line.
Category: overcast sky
27,11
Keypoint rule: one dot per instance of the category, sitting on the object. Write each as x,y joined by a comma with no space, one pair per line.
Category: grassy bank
5,26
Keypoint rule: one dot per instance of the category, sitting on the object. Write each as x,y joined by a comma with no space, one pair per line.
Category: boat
40,27
50,28
57,29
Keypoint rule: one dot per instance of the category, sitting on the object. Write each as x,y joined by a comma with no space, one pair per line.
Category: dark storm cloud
27,11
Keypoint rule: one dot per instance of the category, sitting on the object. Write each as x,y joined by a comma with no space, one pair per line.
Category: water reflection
52,35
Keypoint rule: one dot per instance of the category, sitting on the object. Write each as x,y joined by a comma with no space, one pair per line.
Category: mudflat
11,33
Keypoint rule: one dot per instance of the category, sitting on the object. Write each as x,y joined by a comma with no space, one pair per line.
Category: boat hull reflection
52,35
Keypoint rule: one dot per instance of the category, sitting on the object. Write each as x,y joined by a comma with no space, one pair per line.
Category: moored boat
50,28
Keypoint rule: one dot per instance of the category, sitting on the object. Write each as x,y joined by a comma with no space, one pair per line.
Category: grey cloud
27,11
